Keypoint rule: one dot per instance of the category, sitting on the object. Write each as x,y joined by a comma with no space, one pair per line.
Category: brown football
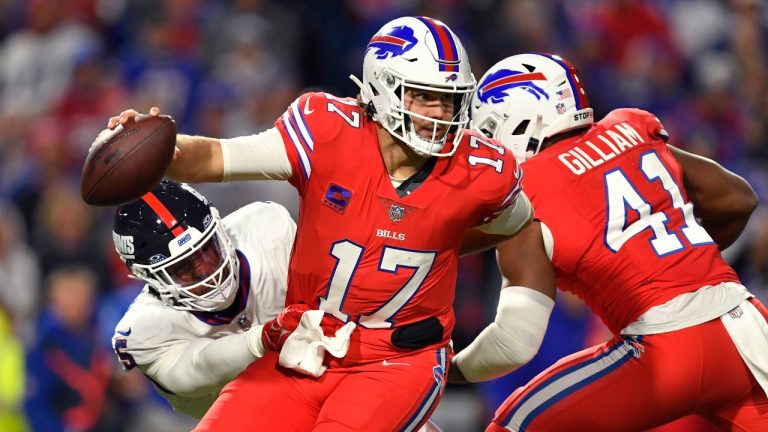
127,162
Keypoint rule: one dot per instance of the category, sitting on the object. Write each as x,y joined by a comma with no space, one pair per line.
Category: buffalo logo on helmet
493,89
394,43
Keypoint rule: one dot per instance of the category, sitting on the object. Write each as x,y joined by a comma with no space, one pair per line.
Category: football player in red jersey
389,184
633,226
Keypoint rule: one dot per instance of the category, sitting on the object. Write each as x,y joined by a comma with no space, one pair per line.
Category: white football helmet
527,98
416,53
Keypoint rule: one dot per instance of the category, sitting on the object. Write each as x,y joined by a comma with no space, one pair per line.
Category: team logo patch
244,323
337,197
439,374
154,259
124,245
397,211
452,77
187,237
633,345
395,42
493,89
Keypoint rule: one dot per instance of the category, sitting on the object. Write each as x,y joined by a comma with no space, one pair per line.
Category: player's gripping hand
272,335
127,115
275,332
122,119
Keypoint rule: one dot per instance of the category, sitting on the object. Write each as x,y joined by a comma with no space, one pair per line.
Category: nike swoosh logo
307,111
125,332
387,363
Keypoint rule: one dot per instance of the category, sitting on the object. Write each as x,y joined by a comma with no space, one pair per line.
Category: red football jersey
625,237
364,254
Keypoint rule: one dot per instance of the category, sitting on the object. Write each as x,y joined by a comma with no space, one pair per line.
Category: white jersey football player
211,284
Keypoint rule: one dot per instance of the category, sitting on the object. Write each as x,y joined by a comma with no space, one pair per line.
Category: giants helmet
527,98
416,53
172,239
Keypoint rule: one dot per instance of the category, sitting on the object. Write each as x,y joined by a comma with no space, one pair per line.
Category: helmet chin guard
527,98
416,53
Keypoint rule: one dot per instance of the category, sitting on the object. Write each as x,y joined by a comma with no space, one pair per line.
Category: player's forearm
722,200
724,233
199,160
725,220
198,367
510,341
260,156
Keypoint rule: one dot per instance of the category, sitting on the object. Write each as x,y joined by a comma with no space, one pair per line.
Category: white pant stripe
566,384
436,390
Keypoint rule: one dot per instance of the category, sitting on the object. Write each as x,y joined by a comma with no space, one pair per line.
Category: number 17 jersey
362,252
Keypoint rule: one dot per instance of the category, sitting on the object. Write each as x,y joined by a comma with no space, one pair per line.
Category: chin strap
366,95
534,143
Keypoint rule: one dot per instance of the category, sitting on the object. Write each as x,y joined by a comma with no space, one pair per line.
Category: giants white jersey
191,355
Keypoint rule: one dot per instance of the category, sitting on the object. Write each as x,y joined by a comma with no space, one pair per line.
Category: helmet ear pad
416,53
174,224
527,98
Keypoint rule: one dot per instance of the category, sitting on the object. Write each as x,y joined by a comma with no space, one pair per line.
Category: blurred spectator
276,25
37,61
66,233
158,74
753,263
19,272
68,369
11,377
96,88
230,68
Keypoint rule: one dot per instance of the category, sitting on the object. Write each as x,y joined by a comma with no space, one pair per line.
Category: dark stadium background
228,68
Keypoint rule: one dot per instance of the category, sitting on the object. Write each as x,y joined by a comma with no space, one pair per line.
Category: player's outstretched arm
197,159
193,368
722,200
525,304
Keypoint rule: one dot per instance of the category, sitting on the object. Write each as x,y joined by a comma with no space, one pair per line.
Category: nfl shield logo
396,213
244,323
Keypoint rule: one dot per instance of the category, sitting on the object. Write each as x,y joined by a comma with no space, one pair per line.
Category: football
125,163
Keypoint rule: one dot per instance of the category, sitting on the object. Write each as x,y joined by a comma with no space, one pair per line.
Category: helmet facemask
399,120
419,65
202,272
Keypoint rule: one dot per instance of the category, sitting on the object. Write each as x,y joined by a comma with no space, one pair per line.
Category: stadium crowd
226,68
